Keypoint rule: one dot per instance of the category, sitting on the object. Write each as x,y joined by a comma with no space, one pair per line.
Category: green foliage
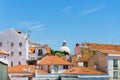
58,53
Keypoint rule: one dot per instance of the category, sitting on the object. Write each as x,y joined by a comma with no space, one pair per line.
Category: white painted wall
60,69
9,36
45,77
45,67
35,55
80,64
110,65
19,78
71,77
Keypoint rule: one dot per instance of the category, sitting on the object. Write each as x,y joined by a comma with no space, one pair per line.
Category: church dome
65,48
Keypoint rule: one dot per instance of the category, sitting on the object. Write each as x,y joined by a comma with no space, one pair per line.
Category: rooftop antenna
28,32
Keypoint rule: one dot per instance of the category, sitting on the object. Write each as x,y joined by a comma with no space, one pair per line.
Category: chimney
77,44
46,45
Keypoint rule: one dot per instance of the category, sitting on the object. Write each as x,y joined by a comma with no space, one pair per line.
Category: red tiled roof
101,46
25,69
53,60
40,71
109,51
16,69
82,70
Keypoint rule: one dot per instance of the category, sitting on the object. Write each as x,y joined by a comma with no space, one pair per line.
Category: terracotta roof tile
16,70
109,51
25,69
53,60
39,71
19,69
102,46
82,70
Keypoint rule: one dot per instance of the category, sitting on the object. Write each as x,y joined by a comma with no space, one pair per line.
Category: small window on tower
0,44
20,53
12,53
12,44
20,44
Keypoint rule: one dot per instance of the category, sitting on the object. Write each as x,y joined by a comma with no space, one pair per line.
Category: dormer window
40,52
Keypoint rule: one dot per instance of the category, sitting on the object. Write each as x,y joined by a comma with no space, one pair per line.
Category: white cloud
92,10
37,26
67,8
32,26
76,11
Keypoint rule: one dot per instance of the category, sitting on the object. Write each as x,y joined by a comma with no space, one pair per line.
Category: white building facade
16,44
36,52
114,66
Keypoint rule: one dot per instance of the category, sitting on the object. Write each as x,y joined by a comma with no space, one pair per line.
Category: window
40,52
12,53
115,63
11,63
0,44
32,58
115,74
12,44
65,66
20,53
20,44
19,63
86,64
4,57
55,68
